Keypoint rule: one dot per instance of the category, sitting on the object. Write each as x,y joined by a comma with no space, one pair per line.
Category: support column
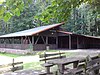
21,42
47,47
83,43
5,42
46,40
12,42
69,41
77,43
33,42
57,41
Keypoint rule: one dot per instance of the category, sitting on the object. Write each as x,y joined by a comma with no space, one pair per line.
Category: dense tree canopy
56,9
81,16
23,21
61,9
83,20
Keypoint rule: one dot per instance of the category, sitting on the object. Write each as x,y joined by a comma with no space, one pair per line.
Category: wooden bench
89,66
85,67
14,66
50,56
93,66
75,71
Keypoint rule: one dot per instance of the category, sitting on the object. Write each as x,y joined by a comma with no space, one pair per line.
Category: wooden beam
29,40
43,40
69,41
37,39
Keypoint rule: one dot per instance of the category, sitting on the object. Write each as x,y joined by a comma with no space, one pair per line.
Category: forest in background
80,16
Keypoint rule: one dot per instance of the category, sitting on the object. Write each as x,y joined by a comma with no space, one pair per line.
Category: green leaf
21,6
30,1
7,16
17,12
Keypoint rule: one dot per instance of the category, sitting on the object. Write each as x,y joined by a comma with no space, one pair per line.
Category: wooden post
13,66
48,70
12,42
77,43
21,42
61,69
33,42
5,42
57,41
47,47
46,40
69,41
75,64
83,43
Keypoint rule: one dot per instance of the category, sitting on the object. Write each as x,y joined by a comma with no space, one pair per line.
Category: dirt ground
27,59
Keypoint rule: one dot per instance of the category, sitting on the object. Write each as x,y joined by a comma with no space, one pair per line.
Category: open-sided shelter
50,36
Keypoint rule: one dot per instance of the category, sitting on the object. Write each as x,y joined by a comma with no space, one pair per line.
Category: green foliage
11,8
83,20
23,20
60,10
81,16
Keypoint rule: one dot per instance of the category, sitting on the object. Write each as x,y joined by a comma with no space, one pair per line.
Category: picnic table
65,61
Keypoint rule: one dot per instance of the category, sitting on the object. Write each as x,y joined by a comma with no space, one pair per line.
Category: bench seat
46,65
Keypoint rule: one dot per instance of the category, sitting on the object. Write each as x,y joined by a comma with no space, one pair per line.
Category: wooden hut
50,36
38,38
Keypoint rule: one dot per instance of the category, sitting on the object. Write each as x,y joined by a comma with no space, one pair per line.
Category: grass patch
42,52
34,65
10,55
37,65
